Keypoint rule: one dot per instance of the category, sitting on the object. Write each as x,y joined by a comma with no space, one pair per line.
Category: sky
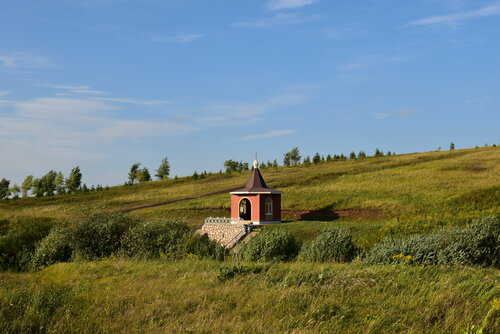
103,84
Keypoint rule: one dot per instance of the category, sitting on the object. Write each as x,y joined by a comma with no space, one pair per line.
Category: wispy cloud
370,61
16,60
456,18
278,19
480,100
4,92
180,38
270,134
287,4
74,89
399,113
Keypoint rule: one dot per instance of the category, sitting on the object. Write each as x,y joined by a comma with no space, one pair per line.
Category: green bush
150,239
476,244
18,244
54,248
273,245
99,235
334,245
202,246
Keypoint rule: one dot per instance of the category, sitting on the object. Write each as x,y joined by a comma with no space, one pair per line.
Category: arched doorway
245,209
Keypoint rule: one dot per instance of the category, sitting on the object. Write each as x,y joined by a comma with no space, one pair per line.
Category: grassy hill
374,197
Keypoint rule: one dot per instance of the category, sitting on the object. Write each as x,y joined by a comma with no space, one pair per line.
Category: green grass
114,296
394,195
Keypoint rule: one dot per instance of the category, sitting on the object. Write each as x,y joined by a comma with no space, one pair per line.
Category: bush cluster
331,245
273,245
38,243
476,244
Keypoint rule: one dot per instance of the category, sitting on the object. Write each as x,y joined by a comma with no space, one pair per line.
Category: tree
235,166
144,175
59,183
74,180
452,146
307,161
195,176
328,158
134,172
163,171
48,183
26,185
361,155
275,163
352,156
292,157
37,188
4,188
316,159
15,190
378,153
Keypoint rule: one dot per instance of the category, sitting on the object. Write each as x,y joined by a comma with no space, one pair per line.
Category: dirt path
179,200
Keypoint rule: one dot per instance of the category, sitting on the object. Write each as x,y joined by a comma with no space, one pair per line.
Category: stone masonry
223,233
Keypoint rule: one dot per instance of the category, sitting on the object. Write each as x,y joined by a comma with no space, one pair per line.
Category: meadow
372,198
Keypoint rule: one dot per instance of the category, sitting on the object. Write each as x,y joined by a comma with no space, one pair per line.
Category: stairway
225,234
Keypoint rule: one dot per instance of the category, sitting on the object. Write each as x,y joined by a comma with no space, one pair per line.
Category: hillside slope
432,188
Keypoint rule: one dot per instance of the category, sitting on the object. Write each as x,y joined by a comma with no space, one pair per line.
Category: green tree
48,183
15,190
452,146
275,163
352,155
144,175
195,176
316,159
328,158
37,188
26,185
378,153
4,188
133,174
163,171
292,157
307,161
74,180
361,155
59,183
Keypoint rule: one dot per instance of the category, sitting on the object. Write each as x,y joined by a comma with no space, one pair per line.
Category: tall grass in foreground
116,296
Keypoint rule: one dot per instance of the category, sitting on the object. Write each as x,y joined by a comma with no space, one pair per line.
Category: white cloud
399,113
74,89
15,60
287,4
456,18
278,19
4,92
180,38
270,134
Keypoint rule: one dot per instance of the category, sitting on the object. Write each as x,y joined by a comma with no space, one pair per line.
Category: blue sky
106,83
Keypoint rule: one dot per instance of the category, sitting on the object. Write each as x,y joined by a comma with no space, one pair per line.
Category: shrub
99,235
476,244
53,248
18,244
274,245
330,245
150,239
202,246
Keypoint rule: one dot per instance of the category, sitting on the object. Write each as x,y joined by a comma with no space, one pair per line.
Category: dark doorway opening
245,209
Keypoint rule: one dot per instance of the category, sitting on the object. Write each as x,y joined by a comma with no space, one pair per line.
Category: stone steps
225,234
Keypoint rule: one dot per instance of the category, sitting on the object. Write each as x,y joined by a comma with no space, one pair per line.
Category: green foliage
316,159
331,245
203,247
4,188
48,183
150,239
74,180
134,172
235,166
15,190
378,153
352,155
55,247
361,155
307,161
273,245
292,157
475,244
59,183
452,146
26,185
163,171
99,235
144,175
18,244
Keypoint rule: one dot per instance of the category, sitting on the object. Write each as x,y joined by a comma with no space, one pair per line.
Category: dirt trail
179,200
